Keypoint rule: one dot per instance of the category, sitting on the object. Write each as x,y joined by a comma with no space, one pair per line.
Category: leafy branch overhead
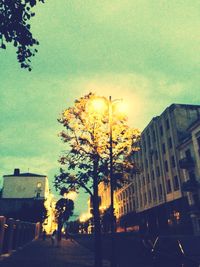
86,139
15,28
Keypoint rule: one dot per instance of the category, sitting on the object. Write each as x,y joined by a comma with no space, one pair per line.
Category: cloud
146,52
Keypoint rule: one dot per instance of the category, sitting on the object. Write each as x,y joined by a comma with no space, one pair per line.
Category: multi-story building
190,163
155,200
22,191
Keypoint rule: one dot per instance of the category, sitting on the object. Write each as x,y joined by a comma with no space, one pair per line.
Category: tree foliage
86,136
15,28
64,210
86,159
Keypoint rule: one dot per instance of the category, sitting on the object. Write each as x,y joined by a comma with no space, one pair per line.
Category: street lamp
110,118
98,104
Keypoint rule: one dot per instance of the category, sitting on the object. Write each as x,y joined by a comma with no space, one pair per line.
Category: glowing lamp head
122,108
97,105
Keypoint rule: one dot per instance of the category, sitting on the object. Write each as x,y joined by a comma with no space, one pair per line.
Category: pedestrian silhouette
53,238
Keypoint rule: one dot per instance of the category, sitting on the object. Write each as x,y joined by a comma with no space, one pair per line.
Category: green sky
146,52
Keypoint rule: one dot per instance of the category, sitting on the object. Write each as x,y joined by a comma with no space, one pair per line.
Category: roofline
170,108
24,175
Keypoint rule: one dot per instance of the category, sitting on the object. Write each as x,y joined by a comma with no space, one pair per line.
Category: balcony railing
186,163
191,186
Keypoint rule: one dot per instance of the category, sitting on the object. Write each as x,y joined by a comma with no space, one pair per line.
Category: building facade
190,163
154,200
24,191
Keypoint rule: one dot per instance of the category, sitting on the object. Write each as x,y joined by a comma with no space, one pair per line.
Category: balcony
191,186
186,163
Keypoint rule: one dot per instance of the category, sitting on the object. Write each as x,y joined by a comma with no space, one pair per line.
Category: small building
25,192
25,185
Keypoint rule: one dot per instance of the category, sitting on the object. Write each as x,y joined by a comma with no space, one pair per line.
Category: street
129,249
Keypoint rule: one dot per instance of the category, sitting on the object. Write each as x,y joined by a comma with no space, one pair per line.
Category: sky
146,52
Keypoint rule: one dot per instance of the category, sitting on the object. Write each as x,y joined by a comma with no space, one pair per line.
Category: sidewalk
41,254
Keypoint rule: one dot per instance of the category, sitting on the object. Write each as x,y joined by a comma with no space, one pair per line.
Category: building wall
191,148
125,200
160,178
104,194
25,187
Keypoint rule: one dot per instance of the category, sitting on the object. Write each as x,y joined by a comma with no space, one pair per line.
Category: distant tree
73,227
15,28
64,210
86,158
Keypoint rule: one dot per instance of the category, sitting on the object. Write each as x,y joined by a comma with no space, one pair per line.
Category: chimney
16,172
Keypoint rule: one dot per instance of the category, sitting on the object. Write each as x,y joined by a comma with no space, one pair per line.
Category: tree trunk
97,224
59,231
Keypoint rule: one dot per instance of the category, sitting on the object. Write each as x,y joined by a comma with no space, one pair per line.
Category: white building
25,185
154,200
24,190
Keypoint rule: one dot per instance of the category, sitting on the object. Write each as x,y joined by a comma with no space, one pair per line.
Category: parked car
176,251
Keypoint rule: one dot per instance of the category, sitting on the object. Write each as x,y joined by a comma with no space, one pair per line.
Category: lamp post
113,259
111,166
98,104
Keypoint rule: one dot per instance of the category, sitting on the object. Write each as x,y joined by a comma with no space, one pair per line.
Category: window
169,188
163,148
134,204
188,154
154,194
149,195
144,144
151,159
148,179
157,171
192,175
146,163
173,161
176,183
142,168
149,140
127,207
152,174
167,124
141,202
166,166
160,190
133,189
161,130
156,154
154,136
145,198
170,142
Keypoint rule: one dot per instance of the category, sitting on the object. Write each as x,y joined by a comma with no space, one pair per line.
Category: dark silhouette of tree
64,210
15,28
29,212
35,212
86,158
